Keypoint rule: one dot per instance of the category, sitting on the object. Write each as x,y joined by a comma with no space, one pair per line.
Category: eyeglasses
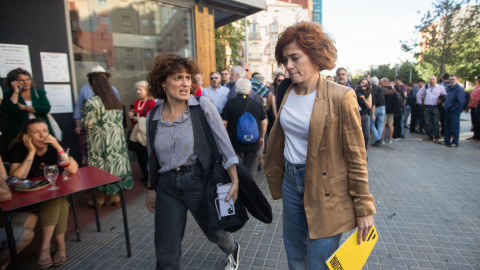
213,78
23,81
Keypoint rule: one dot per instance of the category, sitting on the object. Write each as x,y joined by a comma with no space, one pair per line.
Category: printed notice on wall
14,56
55,67
60,97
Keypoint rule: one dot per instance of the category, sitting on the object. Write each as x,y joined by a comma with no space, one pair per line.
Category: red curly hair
315,43
164,65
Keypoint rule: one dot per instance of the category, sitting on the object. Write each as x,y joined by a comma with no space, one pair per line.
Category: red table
86,178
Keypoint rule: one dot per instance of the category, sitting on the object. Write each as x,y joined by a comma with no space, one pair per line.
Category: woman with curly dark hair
179,157
316,159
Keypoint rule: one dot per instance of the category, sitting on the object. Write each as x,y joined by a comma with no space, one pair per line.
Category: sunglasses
213,78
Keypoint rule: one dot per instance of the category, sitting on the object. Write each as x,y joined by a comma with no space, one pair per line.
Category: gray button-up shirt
174,142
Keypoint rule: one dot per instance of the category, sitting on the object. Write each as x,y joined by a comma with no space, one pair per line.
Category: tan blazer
336,177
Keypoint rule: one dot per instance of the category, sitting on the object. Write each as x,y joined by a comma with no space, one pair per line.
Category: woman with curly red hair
316,159
179,159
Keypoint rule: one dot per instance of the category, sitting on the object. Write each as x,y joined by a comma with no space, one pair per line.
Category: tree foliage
228,36
448,37
403,70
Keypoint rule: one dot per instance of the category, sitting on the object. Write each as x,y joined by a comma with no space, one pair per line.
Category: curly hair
165,65
315,43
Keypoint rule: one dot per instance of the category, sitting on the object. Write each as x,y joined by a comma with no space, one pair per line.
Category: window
254,32
256,51
128,52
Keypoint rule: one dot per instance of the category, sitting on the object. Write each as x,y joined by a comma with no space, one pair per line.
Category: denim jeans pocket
197,172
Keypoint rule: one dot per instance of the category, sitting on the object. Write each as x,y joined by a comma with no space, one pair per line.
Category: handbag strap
207,130
146,107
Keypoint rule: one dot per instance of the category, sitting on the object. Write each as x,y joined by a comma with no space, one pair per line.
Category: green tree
448,34
383,71
404,71
231,36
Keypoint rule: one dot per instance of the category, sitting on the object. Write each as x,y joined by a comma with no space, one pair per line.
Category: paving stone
432,190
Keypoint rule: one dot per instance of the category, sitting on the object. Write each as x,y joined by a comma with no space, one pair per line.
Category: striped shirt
174,142
259,89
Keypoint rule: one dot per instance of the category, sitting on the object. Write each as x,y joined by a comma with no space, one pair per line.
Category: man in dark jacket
379,116
453,108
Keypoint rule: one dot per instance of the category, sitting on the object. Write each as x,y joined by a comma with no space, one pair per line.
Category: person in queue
316,159
32,149
23,102
178,152
364,99
137,115
106,146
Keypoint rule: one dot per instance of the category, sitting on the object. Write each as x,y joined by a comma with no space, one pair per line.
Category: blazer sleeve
7,105
355,156
41,103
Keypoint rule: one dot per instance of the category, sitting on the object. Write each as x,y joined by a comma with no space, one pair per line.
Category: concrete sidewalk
427,197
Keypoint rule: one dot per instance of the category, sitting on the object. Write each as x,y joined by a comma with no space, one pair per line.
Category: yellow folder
352,256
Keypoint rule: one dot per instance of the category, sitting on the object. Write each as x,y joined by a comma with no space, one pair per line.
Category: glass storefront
124,36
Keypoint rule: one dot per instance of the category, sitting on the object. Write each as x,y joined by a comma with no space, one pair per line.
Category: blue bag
247,127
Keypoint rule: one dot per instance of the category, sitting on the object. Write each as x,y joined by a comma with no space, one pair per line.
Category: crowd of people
297,120
435,108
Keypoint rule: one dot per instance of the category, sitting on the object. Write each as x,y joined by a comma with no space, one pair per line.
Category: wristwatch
149,188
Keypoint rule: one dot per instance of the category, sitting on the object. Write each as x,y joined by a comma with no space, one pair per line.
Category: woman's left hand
364,225
54,142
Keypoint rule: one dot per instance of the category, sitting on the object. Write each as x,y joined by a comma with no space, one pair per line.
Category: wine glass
51,173
64,161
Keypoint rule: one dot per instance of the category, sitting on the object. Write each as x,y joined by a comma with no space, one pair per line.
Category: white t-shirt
29,104
295,121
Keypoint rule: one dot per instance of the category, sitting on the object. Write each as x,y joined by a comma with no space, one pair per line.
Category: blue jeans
380,119
406,113
452,125
432,117
176,193
303,253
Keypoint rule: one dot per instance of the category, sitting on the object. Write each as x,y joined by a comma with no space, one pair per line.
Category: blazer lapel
318,119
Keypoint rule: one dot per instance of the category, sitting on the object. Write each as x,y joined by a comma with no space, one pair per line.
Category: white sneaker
232,259
390,141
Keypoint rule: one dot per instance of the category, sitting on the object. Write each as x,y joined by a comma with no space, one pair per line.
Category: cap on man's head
99,69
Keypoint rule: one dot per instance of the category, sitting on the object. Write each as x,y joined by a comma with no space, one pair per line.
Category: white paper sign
14,56
55,67
60,97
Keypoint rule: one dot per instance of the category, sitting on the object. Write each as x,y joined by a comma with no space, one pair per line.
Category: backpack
398,103
247,127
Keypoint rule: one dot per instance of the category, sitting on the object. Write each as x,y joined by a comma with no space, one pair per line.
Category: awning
227,11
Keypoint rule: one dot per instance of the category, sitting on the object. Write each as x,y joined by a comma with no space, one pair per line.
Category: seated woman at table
32,149
23,223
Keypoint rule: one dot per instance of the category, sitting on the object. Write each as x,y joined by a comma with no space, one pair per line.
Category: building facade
263,30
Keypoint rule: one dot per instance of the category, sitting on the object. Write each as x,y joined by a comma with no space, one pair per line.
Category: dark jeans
416,109
176,193
365,128
475,123
432,116
452,125
142,157
421,117
250,160
441,110
397,125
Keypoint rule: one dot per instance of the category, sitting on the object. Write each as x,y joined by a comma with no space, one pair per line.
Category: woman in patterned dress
102,119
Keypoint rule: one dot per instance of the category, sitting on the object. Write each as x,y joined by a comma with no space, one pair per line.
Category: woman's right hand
130,114
15,86
150,201
27,141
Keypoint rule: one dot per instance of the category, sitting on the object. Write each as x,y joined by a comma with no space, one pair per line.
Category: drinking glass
51,173
64,161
